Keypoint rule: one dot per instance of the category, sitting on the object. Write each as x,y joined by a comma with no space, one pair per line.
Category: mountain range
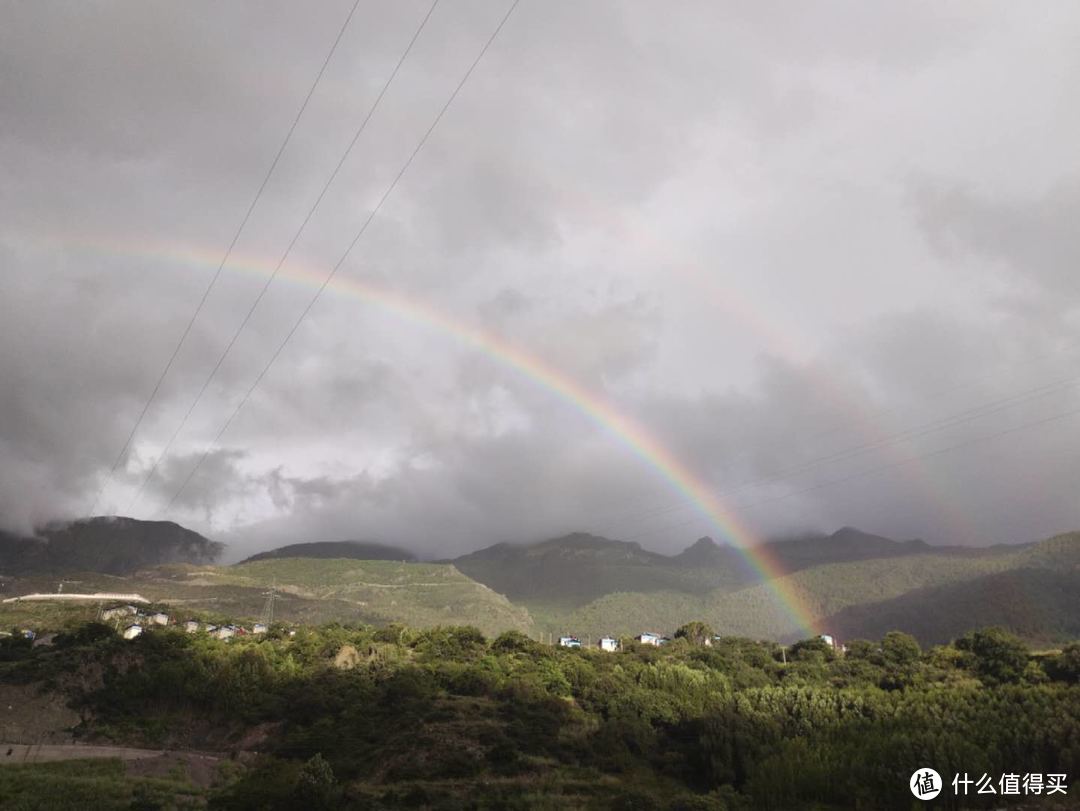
848,583
833,584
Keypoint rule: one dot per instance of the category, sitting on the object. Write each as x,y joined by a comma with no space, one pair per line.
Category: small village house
259,628
132,631
609,644
225,632
118,612
569,642
191,626
648,638
159,618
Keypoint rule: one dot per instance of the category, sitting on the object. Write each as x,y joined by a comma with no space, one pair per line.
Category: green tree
1066,665
899,649
997,657
514,642
316,786
813,650
696,632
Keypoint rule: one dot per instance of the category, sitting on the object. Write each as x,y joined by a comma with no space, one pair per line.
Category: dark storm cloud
777,238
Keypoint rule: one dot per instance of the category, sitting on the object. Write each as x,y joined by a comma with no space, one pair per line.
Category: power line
284,257
337,266
224,260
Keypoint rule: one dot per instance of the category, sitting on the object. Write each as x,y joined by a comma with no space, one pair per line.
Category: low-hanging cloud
819,256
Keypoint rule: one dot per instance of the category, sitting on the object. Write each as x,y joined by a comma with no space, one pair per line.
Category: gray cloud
775,238
1035,240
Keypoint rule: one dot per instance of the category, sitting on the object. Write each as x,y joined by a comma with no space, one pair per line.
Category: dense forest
364,717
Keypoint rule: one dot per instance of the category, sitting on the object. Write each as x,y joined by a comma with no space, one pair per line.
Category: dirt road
201,768
40,753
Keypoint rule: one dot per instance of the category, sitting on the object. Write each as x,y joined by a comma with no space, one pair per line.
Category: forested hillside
755,611
1033,590
358,717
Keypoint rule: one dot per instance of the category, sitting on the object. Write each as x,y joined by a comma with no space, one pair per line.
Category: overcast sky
826,254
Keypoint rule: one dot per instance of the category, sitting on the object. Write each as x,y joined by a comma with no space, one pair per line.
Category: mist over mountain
707,552
847,543
576,568
108,544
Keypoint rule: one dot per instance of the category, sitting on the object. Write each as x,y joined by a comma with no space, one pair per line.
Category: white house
191,626
828,639
569,642
225,632
648,638
118,611
132,631
609,643
159,619
259,628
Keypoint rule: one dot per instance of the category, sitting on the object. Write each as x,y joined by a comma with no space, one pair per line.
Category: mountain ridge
106,544
357,550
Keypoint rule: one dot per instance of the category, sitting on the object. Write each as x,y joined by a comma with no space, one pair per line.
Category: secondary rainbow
781,338
628,431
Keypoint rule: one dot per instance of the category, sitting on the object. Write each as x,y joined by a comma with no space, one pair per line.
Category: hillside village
132,619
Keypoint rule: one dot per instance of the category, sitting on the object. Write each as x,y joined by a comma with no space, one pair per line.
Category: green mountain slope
1038,597
589,585
1059,552
756,611
578,568
1041,605
358,550
309,590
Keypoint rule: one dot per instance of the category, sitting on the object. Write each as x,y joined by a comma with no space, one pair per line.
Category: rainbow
783,340
630,433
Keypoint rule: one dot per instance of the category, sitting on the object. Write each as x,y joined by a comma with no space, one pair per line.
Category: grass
99,784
